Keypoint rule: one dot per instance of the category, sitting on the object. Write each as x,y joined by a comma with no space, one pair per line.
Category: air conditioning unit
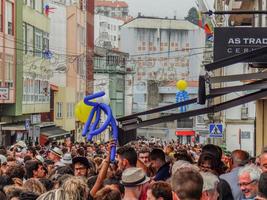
244,112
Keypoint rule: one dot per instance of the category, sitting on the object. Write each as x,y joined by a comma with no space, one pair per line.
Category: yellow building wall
32,64
36,19
65,95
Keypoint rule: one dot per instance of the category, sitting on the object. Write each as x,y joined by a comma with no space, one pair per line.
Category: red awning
185,133
54,87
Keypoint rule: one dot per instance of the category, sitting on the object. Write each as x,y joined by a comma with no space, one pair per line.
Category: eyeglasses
80,169
246,184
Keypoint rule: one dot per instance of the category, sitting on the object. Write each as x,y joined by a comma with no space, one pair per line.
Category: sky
162,8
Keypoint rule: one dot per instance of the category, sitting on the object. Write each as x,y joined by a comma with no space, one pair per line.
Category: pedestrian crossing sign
216,130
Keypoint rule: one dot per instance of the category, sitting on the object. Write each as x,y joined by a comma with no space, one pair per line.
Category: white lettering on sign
234,41
253,41
248,41
4,95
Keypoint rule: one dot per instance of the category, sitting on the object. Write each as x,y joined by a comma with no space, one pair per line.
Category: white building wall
234,140
101,83
58,43
158,64
109,25
233,117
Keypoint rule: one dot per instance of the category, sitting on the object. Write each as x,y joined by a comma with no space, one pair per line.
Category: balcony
239,20
102,67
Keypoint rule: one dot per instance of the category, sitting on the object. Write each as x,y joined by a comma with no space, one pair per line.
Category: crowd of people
143,170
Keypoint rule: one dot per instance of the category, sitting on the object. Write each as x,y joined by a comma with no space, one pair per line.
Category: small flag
207,29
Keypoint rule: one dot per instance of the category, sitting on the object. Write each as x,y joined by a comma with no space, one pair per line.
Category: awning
185,133
13,127
53,87
54,132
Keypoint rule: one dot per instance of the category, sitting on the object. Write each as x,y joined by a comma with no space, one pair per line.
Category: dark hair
208,157
183,155
3,195
48,184
224,190
30,166
64,170
157,154
16,171
214,150
62,178
26,158
107,193
4,181
187,184
49,162
129,154
115,182
81,151
32,150
27,195
263,185
161,189
3,151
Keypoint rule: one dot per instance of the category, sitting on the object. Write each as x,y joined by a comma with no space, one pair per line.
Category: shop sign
36,119
4,93
230,41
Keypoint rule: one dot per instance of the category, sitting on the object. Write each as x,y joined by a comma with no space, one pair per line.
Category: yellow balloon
82,111
181,85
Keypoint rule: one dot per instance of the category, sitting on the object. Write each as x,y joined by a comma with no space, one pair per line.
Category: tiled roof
163,23
115,4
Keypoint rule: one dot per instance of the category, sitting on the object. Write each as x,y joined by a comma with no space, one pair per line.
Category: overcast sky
162,8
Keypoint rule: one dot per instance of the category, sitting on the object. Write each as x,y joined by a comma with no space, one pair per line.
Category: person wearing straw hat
135,182
66,159
55,154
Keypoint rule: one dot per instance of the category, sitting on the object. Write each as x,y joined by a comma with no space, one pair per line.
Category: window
29,39
59,110
36,91
24,38
38,43
81,65
45,41
9,68
81,31
9,18
39,5
30,3
70,110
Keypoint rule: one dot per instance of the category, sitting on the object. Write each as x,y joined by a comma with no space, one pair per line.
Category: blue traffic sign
27,124
216,130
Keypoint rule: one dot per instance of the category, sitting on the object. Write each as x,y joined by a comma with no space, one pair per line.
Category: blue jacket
163,173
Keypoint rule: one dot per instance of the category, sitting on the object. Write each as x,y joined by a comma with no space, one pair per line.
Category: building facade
31,30
75,89
7,52
162,51
115,9
239,121
107,31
